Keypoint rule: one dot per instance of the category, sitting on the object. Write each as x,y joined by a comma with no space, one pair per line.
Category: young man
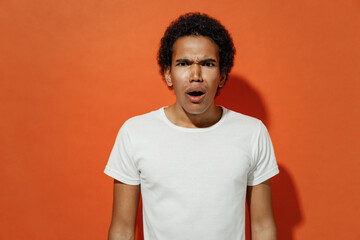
194,162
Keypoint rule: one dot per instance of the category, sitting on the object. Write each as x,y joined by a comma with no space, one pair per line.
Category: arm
125,205
261,215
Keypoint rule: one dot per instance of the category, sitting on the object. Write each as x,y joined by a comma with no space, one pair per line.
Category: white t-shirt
193,180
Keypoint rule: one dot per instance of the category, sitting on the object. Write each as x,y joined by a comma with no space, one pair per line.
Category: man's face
195,73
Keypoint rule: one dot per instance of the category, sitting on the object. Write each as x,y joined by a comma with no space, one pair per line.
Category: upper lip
195,89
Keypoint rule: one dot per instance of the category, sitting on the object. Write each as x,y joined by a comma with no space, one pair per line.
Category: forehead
195,46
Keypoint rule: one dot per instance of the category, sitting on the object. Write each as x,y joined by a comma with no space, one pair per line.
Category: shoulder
143,121
245,122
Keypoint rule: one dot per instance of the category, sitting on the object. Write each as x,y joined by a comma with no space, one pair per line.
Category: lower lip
196,99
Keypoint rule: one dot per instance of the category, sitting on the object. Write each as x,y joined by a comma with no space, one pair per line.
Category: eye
181,64
209,64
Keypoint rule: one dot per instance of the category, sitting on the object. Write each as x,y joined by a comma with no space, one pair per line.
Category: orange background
73,71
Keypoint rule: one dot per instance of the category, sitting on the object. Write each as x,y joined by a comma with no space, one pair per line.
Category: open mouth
195,93
196,96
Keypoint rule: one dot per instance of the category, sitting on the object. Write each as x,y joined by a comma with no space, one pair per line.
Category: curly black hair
197,24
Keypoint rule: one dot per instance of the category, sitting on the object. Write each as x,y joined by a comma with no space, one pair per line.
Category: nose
195,73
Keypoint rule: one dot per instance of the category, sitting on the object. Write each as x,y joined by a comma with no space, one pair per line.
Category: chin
195,109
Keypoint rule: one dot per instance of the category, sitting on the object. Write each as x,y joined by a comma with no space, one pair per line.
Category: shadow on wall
286,204
139,235
239,96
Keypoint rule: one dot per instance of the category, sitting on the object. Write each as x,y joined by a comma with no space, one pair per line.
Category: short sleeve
120,165
264,164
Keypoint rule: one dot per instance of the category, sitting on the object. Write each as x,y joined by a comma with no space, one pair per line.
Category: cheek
212,77
178,84
179,77
211,73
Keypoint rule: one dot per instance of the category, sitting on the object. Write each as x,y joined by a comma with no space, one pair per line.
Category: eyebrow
202,61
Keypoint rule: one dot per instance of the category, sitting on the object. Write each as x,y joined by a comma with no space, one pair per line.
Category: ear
167,76
223,78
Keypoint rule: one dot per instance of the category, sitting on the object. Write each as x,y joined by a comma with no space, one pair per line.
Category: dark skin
261,214
125,206
195,65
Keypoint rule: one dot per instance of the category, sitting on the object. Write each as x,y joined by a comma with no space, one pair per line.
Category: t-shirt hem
114,174
264,177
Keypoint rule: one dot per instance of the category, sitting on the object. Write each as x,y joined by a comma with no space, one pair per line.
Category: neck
177,115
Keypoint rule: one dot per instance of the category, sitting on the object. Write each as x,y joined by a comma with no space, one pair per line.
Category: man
194,162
